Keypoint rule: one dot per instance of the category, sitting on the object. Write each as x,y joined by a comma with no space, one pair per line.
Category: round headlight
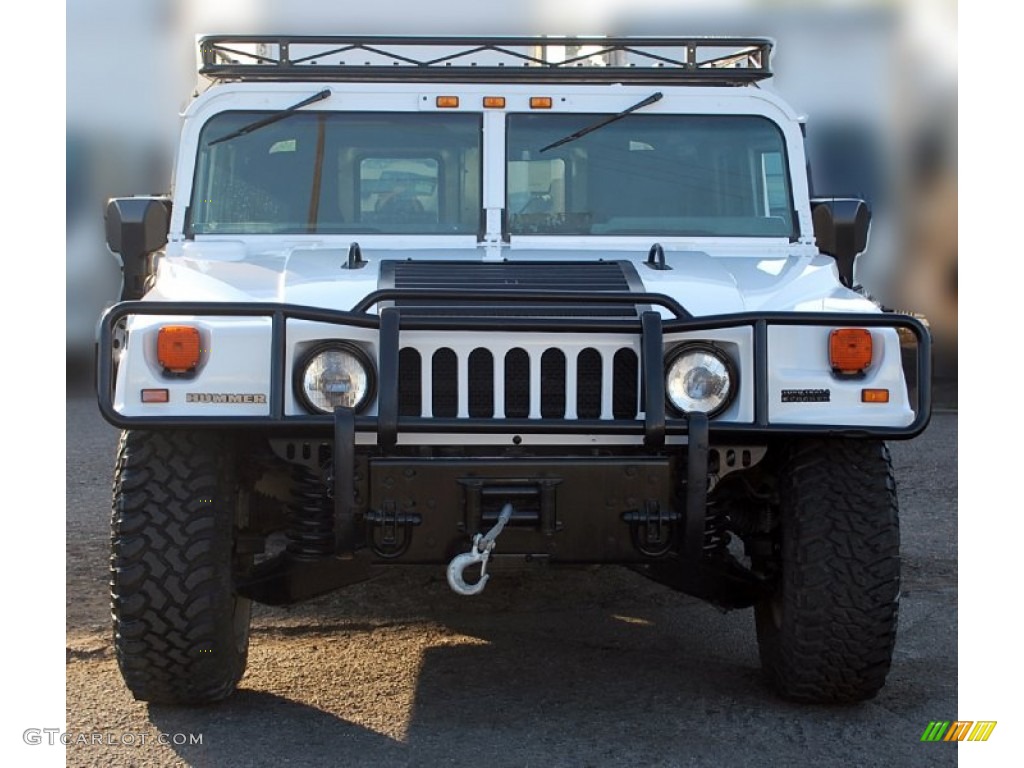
700,377
333,375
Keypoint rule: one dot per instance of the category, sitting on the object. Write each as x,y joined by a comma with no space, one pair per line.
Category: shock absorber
311,516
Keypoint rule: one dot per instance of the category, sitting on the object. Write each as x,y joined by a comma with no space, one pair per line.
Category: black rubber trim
653,366
387,404
696,487
344,482
760,372
277,359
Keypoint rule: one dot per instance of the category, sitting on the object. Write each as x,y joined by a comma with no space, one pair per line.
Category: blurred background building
877,80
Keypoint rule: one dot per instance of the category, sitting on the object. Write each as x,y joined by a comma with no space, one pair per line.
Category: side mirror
136,227
841,229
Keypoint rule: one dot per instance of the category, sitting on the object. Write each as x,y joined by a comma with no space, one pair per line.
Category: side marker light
155,396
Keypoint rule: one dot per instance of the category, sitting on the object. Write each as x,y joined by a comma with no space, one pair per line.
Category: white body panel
708,276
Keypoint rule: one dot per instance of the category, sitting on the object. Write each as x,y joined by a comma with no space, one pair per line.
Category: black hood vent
525,276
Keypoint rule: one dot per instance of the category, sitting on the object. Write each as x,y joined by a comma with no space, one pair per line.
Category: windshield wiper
325,93
591,128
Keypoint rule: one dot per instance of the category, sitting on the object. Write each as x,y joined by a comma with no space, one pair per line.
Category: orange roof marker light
447,102
177,348
849,350
494,102
540,102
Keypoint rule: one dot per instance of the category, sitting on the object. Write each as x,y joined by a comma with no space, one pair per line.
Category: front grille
554,383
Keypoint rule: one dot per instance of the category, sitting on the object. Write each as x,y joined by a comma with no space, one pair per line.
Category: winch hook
483,544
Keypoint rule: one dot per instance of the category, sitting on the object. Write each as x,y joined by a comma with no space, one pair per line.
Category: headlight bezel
307,358
708,347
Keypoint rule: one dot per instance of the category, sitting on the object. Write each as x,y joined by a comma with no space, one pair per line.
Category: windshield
335,172
686,175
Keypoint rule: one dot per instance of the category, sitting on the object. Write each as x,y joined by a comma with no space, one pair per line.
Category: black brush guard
278,582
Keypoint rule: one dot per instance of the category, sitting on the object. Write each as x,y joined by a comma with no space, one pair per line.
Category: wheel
826,633
181,633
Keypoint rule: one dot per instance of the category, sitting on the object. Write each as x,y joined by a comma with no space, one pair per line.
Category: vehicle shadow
255,728
540,661
545,668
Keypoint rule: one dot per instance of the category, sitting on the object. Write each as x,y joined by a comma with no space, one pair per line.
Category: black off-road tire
181,633
827,633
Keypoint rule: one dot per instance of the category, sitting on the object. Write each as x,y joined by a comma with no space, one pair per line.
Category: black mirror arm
136,227
841,230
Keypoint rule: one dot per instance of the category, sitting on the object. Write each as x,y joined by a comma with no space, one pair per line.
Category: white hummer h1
448,300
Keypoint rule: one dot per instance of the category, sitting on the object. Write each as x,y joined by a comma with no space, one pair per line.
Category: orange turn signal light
177,348
540,102
447,102
494,102
849,350
874,395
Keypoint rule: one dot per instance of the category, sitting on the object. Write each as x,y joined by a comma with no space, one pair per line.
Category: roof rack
640,60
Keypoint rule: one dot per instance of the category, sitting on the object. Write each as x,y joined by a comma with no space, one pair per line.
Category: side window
773,181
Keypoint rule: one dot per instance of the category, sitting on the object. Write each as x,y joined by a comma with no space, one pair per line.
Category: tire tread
840,574
172,600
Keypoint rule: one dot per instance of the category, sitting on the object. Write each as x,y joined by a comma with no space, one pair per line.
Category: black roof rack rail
638,60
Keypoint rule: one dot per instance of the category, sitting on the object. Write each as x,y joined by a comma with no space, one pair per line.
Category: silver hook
482,546
460,563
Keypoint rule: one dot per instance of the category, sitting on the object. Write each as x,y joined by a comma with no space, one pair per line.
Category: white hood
318,276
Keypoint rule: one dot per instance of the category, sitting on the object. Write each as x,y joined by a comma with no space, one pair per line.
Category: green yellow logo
958,730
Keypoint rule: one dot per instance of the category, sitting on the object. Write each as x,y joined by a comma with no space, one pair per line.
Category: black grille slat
517,384
410,390
552,384
444,376
588,384
481,384
625,369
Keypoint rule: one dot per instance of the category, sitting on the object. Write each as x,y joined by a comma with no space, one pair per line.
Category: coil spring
716,530
311,516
